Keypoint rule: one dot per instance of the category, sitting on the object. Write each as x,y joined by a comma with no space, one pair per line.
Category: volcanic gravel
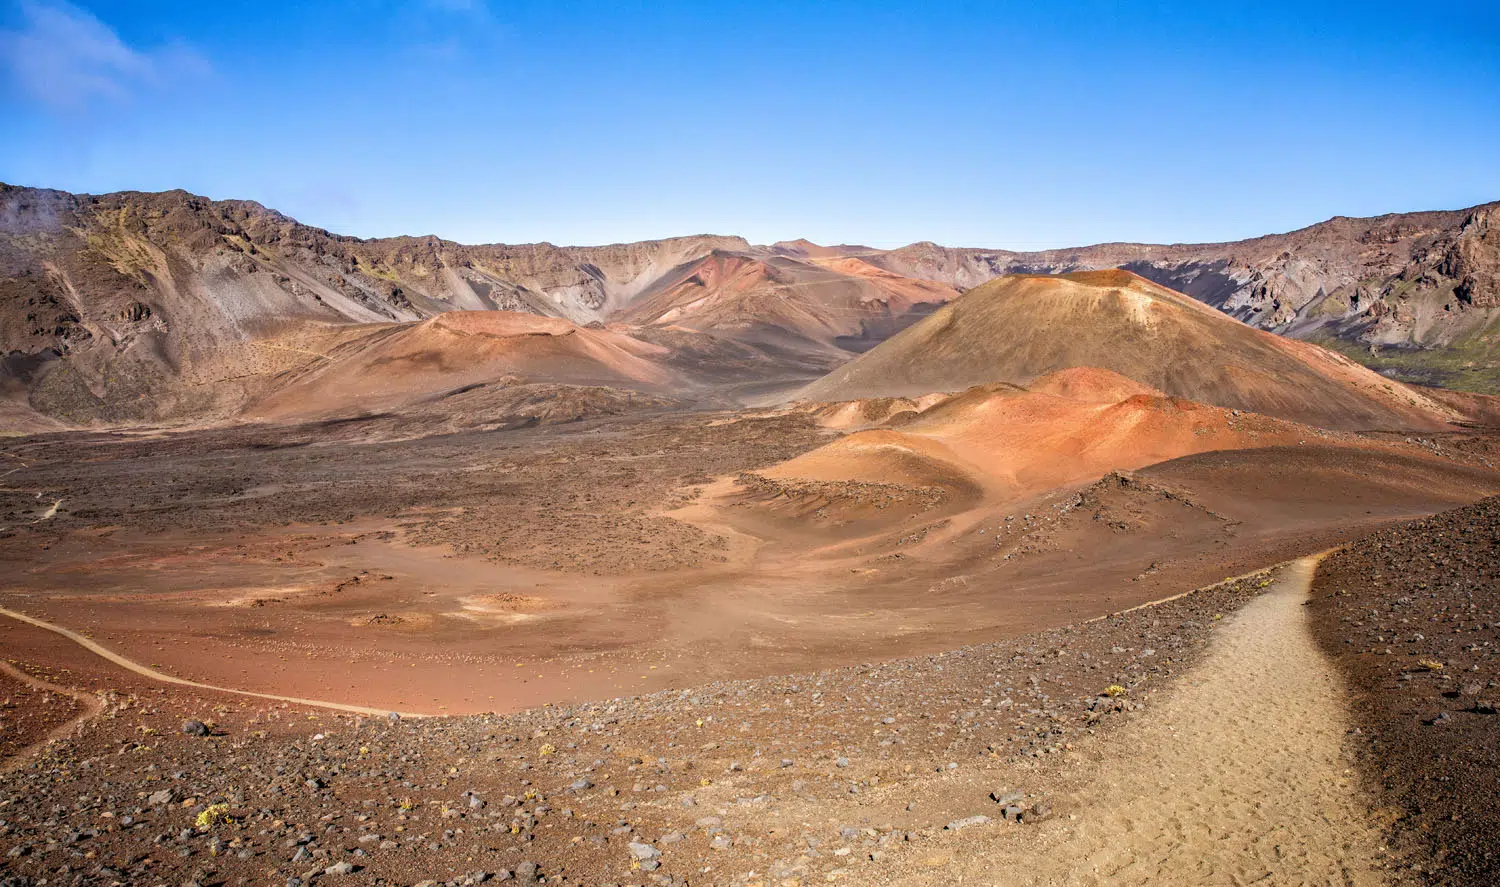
1412,617
27,714
577,497
791,779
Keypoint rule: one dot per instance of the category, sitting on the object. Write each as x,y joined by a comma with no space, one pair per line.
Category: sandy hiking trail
147,672
1237,777
90,706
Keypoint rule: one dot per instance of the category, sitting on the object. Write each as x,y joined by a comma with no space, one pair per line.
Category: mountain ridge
108,302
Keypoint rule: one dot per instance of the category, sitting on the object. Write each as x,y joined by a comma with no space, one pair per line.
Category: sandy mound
1090,384
1477,409
1022,327
1014,442
398,365
881,456
854,414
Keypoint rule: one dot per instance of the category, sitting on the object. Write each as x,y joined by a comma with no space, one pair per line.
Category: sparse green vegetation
1466,365
364,267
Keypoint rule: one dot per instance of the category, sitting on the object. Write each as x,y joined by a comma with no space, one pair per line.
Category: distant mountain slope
1023,327
395,366
134,307
1415,294
121,307
839,304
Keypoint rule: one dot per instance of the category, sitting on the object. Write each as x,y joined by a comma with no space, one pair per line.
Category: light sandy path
1236,777
147,672
91,707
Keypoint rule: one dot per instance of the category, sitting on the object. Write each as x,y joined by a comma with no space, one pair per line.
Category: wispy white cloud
65,57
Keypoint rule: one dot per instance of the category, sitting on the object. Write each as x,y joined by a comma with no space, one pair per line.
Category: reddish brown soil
29,714
791,773
736,616
494,571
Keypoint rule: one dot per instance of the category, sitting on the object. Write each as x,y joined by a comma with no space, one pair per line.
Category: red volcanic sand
1091,384
1014,442
401,364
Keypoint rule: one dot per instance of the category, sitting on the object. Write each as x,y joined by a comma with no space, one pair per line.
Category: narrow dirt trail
1236,777
147,672
91,704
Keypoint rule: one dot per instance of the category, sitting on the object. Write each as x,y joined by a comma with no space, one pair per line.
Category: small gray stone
340,868
961,824
195,728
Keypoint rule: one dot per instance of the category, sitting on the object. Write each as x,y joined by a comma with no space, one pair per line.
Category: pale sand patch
502,607
1237,777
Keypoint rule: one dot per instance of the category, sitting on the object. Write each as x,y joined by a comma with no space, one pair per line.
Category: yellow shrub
212,815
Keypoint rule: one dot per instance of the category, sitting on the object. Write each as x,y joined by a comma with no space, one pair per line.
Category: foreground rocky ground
856,773
1412,617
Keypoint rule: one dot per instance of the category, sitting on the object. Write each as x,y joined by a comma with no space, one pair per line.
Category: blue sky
979,124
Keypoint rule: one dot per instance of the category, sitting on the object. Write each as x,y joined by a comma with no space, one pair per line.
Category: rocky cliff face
107,302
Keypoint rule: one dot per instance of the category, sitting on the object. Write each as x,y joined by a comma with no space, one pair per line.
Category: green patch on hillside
364,266
1471,365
